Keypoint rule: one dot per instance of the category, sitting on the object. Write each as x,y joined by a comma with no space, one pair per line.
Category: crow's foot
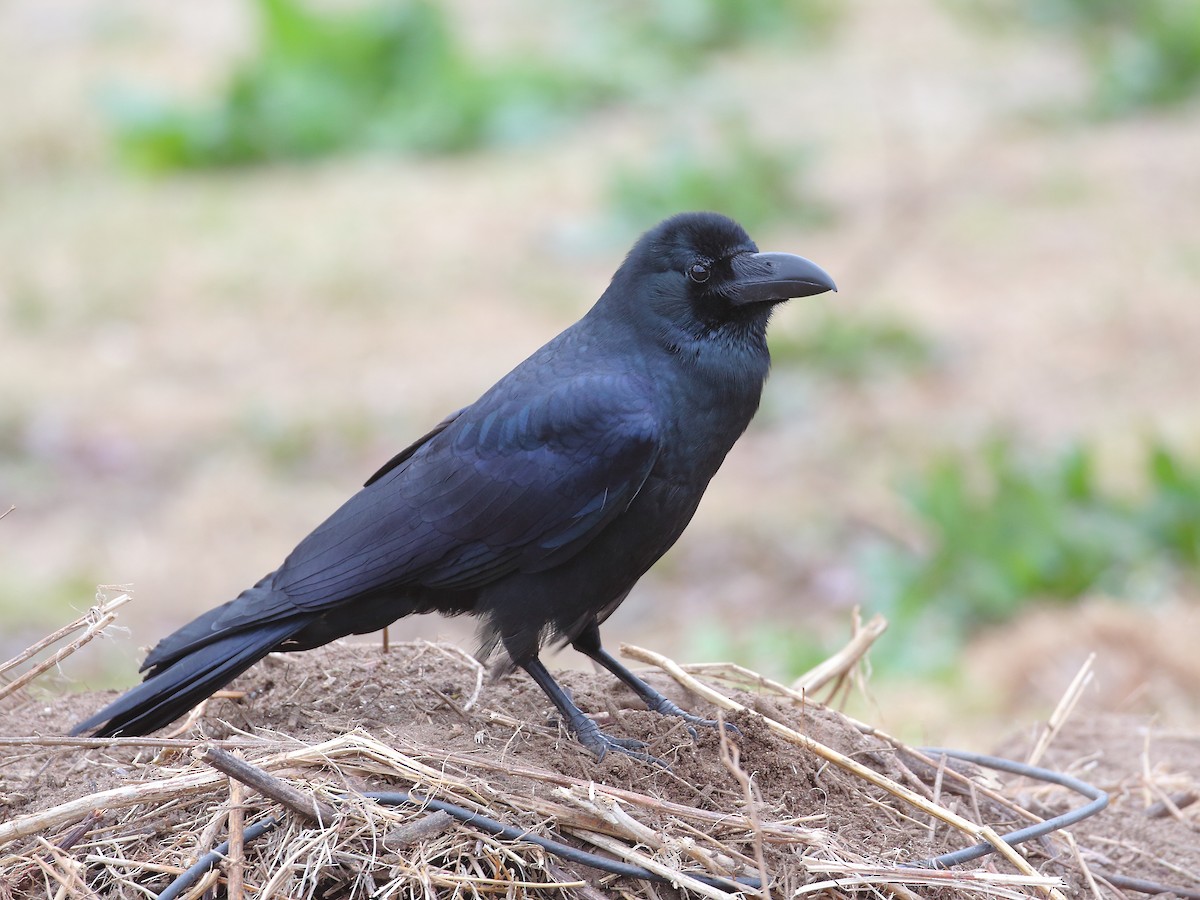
669,708
588,734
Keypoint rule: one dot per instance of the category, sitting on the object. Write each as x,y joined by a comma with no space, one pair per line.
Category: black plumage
538,507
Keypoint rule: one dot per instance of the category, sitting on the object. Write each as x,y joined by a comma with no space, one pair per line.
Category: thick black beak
772,277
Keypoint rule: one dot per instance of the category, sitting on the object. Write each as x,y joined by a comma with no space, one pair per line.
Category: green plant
685,32
851,348
1143,53
782,652
387,76
294,444
752,184
1003,531
1171,517
32,604
394,75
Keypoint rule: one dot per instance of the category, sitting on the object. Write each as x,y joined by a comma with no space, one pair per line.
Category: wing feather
512,483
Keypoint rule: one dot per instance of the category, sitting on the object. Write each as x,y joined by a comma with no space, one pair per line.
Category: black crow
539,506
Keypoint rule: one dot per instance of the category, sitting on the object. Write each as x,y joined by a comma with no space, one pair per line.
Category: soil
418,698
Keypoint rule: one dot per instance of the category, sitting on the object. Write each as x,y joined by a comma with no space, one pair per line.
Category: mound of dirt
115,818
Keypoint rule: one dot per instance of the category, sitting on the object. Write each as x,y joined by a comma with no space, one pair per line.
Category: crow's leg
588,643
586,731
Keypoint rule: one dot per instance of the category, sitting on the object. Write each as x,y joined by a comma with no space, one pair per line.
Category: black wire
565,851
1098,797
574,854
212,858
469,817
1147,887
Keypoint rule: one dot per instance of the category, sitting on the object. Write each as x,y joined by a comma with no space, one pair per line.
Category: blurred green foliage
394,75
292,444
683,33
764,646
755,185
389,76
32,605
852,347
1004,531
1142,53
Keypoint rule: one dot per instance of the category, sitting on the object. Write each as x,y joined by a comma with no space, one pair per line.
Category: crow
539,506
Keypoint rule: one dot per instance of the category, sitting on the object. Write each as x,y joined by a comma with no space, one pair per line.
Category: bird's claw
668,708
692,721
599,743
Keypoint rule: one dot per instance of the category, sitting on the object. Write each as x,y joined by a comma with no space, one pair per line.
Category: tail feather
172,690
253,606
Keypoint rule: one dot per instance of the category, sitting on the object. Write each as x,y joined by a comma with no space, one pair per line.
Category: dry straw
180,798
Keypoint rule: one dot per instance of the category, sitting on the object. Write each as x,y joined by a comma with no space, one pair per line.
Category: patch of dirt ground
125,817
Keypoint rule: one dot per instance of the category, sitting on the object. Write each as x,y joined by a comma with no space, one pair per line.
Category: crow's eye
698,272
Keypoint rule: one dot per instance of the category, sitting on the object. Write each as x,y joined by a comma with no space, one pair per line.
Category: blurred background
251,248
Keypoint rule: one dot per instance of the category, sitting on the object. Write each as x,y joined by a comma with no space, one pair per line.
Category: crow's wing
413,447
513,483
517,481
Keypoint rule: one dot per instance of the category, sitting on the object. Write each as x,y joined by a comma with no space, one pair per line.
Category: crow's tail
172,689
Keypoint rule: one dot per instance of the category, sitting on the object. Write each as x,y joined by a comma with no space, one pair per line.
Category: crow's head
701,274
